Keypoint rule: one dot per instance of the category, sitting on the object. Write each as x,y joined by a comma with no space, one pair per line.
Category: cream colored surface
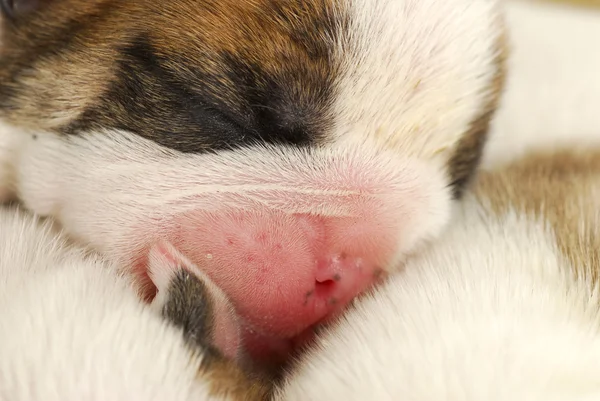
585,3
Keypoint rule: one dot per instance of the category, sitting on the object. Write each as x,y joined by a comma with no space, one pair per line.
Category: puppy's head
332,134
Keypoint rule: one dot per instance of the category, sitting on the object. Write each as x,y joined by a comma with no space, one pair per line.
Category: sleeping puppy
73,329
505,305
294,150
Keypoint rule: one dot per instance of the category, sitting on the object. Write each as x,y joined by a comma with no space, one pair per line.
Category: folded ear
189,299
15,9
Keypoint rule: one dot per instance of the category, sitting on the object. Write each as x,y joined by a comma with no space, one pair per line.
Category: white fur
416,73
117,191
489,312
552,96
71,329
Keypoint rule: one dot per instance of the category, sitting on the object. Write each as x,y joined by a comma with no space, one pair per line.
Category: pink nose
284,273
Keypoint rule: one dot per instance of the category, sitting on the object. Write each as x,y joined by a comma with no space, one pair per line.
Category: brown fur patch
469,150
191,75
560,189
227,380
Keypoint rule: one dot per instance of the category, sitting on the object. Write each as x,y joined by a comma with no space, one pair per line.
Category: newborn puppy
295,150
505,305
72,329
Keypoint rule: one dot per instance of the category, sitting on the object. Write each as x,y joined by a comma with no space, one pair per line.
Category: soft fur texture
505,305
71,329
293,150
494,311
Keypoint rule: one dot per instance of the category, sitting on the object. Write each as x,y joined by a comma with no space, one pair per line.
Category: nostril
339,277
334,278
324,289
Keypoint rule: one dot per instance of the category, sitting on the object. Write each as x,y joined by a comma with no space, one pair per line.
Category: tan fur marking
580,3
230,382
561,189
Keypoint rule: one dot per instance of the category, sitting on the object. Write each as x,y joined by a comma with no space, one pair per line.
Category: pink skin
284,273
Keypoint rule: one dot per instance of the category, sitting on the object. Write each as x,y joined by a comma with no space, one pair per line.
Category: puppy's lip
277,351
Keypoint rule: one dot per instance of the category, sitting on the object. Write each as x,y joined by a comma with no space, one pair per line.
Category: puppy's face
320,141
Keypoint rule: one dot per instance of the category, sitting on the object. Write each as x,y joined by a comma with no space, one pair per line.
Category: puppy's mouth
273,353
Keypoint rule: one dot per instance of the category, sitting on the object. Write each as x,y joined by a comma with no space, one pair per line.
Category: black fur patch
152,101
192,110
190,307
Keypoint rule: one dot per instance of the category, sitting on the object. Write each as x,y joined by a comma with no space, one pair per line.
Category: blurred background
586,3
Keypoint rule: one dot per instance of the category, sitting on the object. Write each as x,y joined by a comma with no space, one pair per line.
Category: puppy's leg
72,328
